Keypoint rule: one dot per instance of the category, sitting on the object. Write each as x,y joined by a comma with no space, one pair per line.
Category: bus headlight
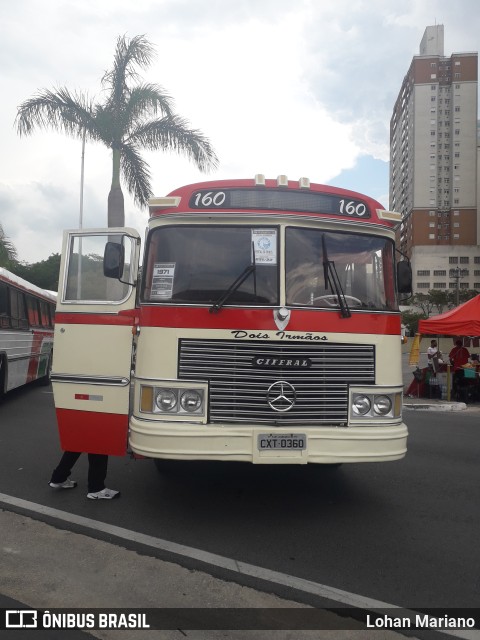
173,399
166,399
382,405
361,405
375,407
191,400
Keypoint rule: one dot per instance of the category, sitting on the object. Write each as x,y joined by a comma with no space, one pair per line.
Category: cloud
302,89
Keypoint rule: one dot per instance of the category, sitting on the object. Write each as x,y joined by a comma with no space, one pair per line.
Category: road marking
236,566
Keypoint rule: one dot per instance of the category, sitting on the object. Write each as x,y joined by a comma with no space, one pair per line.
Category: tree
128,120
424,302
466,294
410,319
44,273
8,253
440,299
435,300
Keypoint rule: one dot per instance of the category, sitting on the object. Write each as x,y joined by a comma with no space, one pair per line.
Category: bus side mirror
404,277
113,260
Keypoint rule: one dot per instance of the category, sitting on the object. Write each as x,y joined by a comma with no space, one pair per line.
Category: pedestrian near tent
434,356
97,472
459,355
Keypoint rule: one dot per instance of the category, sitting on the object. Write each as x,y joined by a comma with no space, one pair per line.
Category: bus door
93,341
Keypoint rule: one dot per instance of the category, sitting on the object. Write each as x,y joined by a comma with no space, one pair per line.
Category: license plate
282,441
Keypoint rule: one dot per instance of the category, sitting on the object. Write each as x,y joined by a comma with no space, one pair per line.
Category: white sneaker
68,484
104,494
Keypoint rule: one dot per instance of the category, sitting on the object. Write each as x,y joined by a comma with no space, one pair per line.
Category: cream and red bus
263,326
26,332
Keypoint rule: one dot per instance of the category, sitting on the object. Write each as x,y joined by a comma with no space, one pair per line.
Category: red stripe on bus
123,320
93,432
32,373
253,320
250,320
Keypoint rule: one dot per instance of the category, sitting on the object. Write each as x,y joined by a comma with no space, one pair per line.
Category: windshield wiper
215,308
332,281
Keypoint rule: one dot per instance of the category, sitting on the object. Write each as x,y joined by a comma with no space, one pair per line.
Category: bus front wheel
44,381
3,376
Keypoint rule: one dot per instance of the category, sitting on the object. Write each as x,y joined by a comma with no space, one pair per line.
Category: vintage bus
263,326
26,332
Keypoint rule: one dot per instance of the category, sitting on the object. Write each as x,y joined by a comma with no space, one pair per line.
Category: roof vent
304,183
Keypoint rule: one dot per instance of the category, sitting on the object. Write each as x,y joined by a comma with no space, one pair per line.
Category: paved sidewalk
437,405
46,567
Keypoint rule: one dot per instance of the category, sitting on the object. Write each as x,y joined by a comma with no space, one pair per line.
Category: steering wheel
332,300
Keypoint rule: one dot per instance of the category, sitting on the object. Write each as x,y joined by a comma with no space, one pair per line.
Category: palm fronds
59,110
173,133
8,252
129,119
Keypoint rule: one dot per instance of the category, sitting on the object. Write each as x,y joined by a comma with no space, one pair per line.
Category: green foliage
441,300
433,303
466,294
410,319
44,274
424,302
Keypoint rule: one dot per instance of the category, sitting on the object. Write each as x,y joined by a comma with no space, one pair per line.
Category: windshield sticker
162,280
265,246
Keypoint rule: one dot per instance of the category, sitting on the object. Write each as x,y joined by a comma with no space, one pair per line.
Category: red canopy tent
461,321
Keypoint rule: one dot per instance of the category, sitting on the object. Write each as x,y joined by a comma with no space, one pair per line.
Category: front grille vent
239,384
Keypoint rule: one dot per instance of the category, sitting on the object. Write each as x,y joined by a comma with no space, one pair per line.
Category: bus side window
44,315
18,311
4,316
32,310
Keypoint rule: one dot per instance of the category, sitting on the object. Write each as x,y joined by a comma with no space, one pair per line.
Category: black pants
457,383
97,469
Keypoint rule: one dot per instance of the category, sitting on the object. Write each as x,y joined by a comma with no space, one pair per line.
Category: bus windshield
195,264
363,264
198,264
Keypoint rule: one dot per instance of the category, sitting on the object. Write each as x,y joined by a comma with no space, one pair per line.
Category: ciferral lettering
266,362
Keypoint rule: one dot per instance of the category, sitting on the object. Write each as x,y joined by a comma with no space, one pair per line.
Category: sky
302,88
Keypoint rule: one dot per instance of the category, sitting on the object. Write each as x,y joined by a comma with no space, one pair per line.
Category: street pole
80,218
82,174
456,274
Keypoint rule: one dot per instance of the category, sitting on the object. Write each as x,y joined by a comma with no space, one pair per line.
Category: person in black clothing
97,472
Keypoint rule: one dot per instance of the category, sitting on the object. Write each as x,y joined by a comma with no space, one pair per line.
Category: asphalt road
405,532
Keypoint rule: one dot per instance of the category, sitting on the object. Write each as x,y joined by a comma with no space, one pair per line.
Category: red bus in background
264,327
26,332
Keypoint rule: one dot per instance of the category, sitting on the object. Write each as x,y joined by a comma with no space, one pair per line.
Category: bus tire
3,376
44,381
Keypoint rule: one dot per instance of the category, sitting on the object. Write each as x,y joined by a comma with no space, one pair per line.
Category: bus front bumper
322,445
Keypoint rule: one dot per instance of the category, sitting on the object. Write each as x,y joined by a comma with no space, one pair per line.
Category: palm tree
129,119
8,253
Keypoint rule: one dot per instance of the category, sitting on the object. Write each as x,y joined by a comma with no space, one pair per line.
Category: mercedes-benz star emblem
281,396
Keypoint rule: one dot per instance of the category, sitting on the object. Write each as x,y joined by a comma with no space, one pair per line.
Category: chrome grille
238,389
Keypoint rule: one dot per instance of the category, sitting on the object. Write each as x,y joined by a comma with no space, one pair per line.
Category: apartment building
434,166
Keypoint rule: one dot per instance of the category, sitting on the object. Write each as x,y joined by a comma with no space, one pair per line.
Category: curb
425,406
